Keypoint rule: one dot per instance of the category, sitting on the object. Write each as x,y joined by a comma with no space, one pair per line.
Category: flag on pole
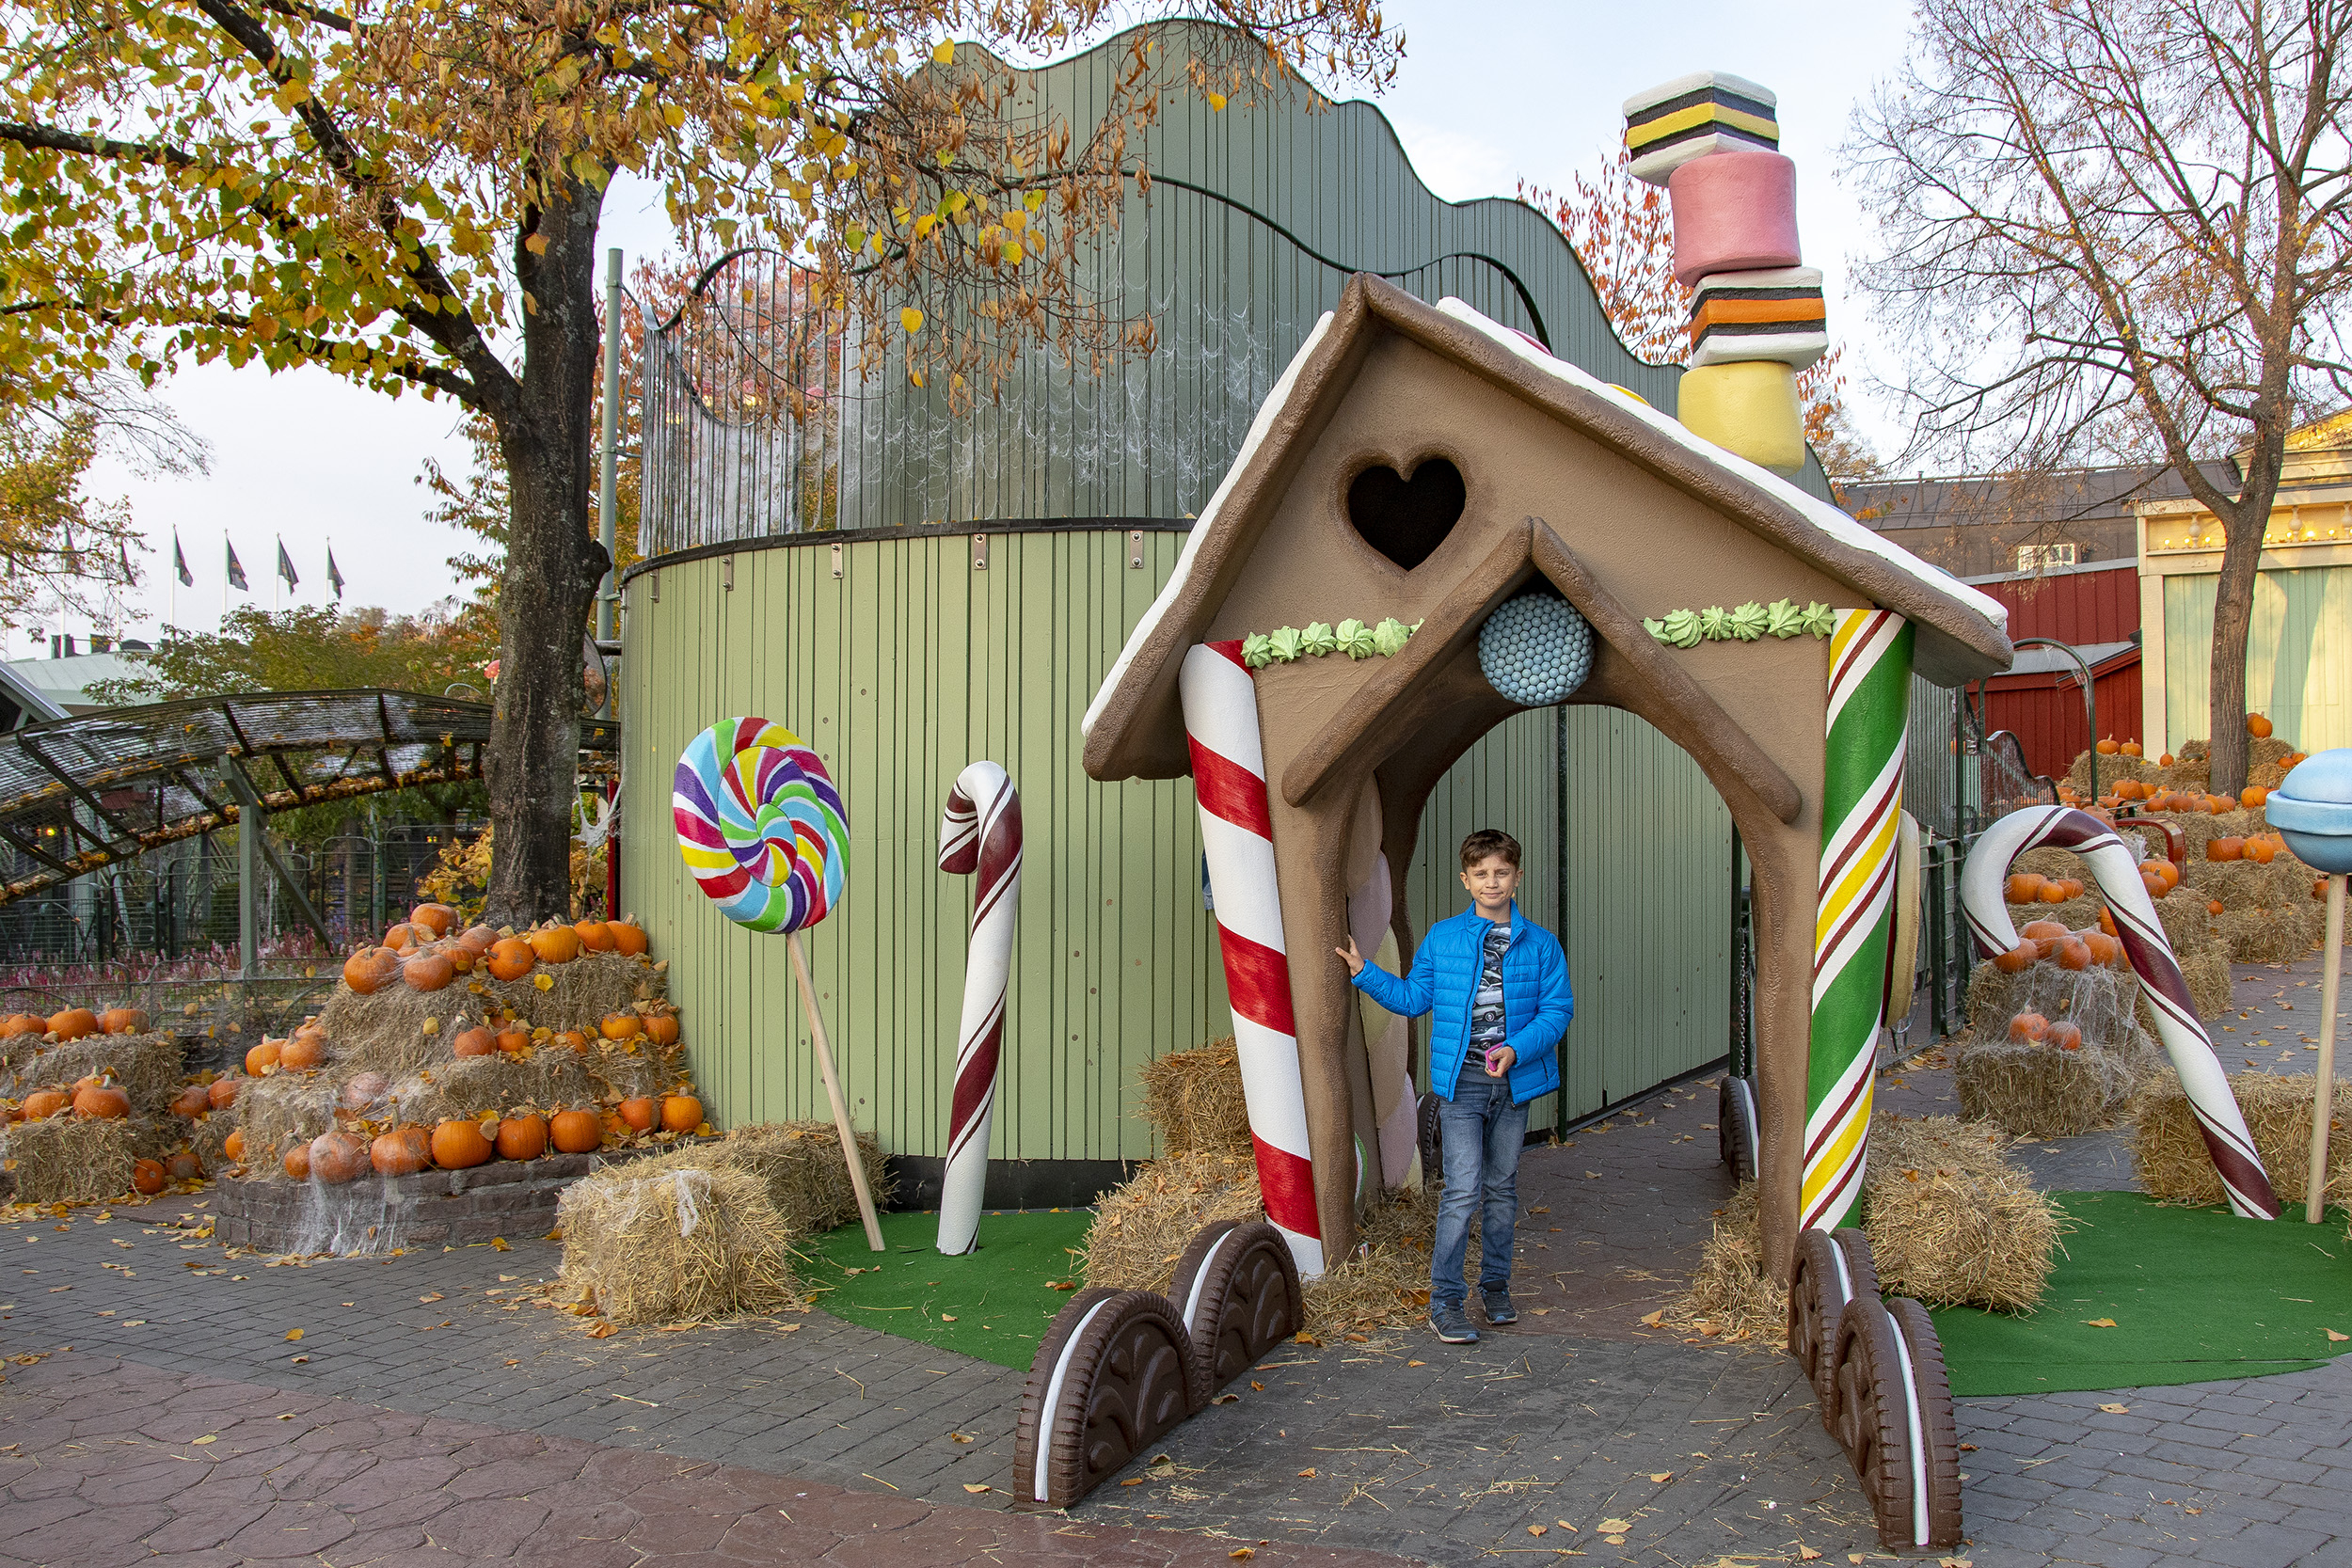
236,571
122,559
285,567
180,561
334,576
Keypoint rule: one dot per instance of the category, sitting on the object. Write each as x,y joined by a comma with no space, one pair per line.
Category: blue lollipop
2311,809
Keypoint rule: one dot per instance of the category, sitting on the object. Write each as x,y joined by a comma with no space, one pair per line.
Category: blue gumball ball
2311,809
1536,649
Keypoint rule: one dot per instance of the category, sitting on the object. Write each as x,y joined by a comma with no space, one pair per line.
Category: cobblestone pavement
1579,1417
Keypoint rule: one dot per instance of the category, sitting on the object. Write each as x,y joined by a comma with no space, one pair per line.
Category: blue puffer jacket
1537,1001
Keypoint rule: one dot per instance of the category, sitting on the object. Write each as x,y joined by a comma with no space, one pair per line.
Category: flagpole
224,579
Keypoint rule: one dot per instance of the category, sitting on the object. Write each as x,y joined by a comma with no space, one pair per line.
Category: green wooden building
911,588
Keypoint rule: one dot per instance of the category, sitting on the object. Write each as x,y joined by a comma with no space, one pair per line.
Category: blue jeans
1482,1133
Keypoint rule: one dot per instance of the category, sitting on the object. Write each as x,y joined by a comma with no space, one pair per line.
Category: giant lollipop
762,828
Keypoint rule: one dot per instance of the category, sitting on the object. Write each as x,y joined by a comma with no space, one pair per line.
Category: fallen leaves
2117,1409
2335,1339
1307,1474
1614,1527
604,1331
1654,1319
1535,1529
2100,1323
294,1334
1243,1554
958,1437
208,1437
976,1487
1662,1476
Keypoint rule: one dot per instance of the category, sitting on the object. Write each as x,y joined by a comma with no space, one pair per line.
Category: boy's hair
1489,841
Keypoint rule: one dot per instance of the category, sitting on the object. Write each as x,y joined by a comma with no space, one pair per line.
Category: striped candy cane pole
2116,870
1862,797
1220,703
979,831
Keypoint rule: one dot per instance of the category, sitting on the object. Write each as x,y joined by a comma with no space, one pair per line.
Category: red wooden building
2094,608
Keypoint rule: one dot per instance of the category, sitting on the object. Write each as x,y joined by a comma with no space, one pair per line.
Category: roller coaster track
86,792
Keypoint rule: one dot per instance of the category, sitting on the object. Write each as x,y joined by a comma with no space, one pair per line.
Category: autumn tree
1622,232
2119,231
407,193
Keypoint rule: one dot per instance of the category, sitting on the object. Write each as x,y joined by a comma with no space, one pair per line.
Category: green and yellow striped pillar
1862,797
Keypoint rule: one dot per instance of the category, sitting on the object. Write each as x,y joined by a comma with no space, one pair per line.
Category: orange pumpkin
2165,761
428,972
2043,930
2252,796
2028,1026
663,1028
2107,921
193,1101
262,1058
2104,949
402,1151
404,937
43,1104
638,1113
460,956
628,940
510,958
2017,959
594,935
514,1041
2066,1036
2257,726
22,1023
297,1162
2074,953
2023,888
222,1092
522,1138
147,1177
575,1132
2131,748
338,1157
367,971
2213,906
2225,848
476,1041
72,1024
2051,892
681,1113
302,1053
2107,746
571,1037
232,1149
182,1165
2261,850
621,1026
363,1089
477,940
122,1020
555,945
459,1145
437,918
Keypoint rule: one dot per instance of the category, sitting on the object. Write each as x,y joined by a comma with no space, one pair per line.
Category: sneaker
1452,1325
1499,1308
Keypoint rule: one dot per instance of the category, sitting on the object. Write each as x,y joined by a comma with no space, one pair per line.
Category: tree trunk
2234,606
552,566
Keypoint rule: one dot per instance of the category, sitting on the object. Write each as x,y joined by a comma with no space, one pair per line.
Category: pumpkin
459,1145
594,935
2213,906
122,1020
338,1157
2107,746
2066,1036
222,1092
476,1041
460,958
628,940
363,1089
571,1037
681,1113
302,1053
192,1102
404,936
2017,959
2157,887
147,1178
2257,726
2051,892
102,1103
232,1149
297,1162
262,1058
72,1024
513,1040
2225,848
2107,922
2131,748
621,1026
22,1023
437,918
402,1151
575,1132
182,1165
555,945
662,1029
2165,761
2023,888
638,1113
477,940
522,1138
2252,796
2104,949
2028,1026
367,971
2126,789
428,972
2261,850
43,1104
2074,953
510,958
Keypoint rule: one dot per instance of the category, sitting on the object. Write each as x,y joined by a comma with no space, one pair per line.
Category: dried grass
145,1066
2249,884
471,1087
1731,1296
2260,936
1952,1221
71,1159
385,1031
207,1135
278,1112
1193,1099
2170,1151
800,1165
2034,1091
678,1244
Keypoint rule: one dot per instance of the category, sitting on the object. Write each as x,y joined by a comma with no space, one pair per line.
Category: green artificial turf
2195,1294
994,1303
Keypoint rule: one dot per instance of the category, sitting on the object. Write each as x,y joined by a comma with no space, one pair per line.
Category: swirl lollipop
760,825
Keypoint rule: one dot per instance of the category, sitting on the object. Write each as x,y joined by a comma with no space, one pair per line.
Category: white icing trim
1692,82
1052,1397
1201,1282
1918,1436
1210,515
1845,1276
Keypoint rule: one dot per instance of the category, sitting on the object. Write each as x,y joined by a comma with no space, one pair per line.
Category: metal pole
2331,979
607,505
249,886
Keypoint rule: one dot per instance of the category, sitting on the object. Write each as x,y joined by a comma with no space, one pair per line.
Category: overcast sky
1487,95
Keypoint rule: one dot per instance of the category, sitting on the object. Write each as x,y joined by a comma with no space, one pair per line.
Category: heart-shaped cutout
1407,519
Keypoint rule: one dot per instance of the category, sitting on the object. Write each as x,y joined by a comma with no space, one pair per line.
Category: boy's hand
1355,959
1500,1059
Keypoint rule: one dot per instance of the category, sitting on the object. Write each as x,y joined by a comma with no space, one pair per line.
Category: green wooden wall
910,664
2299,668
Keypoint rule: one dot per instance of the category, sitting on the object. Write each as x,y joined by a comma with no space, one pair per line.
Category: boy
1497,987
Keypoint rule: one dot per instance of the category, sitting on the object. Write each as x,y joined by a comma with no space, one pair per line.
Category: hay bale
71,1159
2211,986
799,1165
145,1066
1990,1006
681,1245
387,1032
1193,1099
1731,1296
579,993
467,1088
279,1112
207,1136
2171,1155
2272,936
2251,885
1951,1220
2033,1091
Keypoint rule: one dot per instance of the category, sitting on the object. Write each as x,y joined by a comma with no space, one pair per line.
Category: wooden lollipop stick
2331,976
833,1092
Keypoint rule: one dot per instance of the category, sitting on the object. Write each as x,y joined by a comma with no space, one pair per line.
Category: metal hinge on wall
655,578
980,552
836,560
1134,549
726,571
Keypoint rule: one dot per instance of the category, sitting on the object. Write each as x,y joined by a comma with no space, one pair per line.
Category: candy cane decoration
1220,703
979,831
1862,798
2116,870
